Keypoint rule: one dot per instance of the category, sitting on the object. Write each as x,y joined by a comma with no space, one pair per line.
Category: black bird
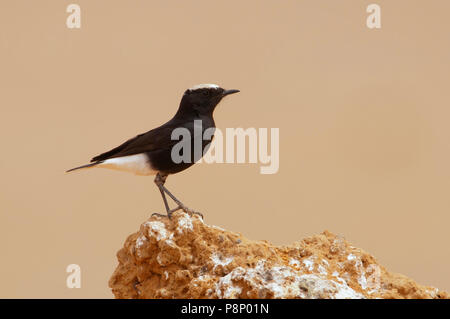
150,153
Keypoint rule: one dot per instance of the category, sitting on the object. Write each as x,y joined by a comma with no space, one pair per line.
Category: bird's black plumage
157,143
197,104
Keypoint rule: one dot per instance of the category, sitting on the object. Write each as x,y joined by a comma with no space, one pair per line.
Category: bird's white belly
137,164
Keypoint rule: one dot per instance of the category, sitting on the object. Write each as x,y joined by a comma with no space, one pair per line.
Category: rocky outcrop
186,258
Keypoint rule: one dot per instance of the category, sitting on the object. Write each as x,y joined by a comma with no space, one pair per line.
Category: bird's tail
84,166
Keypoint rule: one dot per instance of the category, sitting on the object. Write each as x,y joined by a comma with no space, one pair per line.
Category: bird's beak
227,92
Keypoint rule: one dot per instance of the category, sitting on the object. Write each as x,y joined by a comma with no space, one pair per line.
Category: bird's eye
205,93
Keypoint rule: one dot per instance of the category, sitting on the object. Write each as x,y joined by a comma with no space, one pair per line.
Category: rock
186,258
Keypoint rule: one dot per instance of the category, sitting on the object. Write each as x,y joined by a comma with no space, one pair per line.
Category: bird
150,153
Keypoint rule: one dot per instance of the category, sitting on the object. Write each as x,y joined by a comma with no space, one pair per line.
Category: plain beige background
363,117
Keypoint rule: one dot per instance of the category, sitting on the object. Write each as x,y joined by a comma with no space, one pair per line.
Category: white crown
204,86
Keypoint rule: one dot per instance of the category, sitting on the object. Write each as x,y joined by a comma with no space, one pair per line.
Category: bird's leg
180,204
159,181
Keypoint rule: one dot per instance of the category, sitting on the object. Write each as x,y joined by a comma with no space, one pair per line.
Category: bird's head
203,98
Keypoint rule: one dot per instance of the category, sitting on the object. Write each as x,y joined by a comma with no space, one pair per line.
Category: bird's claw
188,211
185,209
192,212
162,215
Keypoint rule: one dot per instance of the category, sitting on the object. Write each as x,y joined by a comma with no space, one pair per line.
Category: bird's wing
156,139
116,150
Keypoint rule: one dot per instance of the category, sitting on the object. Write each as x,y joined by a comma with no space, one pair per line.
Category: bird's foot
162,215
187,210
193,212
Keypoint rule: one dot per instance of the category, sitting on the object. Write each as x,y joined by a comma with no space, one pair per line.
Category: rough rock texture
186,258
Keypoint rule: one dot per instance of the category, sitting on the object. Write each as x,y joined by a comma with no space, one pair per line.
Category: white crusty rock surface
186,258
